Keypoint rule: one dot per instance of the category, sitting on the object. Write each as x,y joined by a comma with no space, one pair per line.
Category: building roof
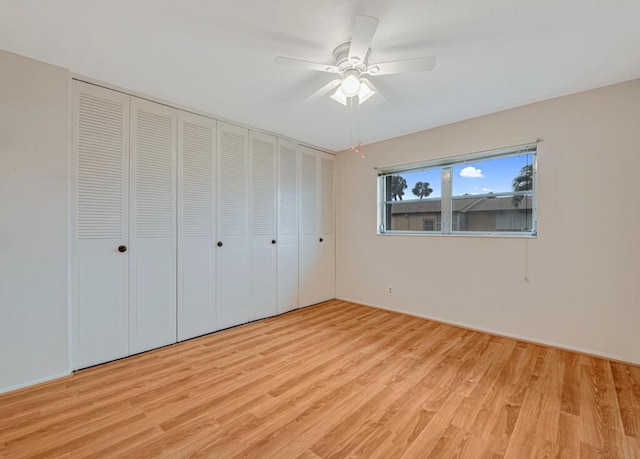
471,204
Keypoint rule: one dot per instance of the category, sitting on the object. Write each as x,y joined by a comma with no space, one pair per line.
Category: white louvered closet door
99,271
262,183
233,247
309,238
196,225
327,255
288,189
152,289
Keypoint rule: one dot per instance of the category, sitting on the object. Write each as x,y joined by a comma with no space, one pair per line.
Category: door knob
219,243
122,248
273,241
321,239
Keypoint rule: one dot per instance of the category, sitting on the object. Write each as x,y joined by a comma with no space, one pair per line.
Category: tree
523,182
422,190
397,187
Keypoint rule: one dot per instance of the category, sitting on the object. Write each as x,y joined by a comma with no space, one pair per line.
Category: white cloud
486,190
471,172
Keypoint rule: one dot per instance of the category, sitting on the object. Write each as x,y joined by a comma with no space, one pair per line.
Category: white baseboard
35,381
528,339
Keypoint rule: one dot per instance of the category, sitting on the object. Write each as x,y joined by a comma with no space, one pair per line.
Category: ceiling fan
352,65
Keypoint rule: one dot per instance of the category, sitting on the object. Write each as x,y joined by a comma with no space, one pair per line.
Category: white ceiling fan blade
363,31
323,91
420,64
305,64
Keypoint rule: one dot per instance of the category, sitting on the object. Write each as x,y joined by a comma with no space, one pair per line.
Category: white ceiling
217,55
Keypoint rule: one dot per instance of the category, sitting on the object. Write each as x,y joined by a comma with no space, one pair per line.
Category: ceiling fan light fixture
350,83
339,96
351,66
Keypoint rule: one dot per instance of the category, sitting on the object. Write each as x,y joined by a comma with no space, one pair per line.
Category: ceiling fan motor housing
341,57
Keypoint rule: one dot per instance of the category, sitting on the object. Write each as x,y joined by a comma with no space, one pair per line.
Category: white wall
583,269
34,123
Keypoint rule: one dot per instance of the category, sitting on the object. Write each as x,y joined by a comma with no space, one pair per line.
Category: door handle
273,241
219,243
321,239
122,249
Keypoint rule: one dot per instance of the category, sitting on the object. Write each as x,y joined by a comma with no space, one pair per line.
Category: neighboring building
469,214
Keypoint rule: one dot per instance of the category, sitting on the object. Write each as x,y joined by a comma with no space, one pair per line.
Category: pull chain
355,137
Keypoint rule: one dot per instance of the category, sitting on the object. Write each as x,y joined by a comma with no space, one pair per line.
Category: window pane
498,175
414,185
414,201
508,213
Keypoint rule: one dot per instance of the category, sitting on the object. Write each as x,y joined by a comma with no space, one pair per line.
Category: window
489,193
429,224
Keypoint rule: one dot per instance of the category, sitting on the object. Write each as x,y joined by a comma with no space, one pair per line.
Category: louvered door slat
309,195
99,273
263,192
153,225
233,183
100,168
288,188
327,213
198,145
155,169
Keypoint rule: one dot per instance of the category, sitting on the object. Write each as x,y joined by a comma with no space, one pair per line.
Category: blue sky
475,177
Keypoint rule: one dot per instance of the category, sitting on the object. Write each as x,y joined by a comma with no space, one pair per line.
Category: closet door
262,183
317,227
288,189
152,289
232,253
99,260
196,225
309,238
327,252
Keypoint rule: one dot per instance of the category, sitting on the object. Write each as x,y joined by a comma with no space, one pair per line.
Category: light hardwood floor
334,380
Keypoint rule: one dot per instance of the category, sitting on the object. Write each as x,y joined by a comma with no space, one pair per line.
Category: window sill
466,234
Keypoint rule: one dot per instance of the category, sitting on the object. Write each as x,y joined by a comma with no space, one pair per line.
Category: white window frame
447,164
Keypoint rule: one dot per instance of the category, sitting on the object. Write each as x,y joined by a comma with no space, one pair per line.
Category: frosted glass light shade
365,92
350,83
339,96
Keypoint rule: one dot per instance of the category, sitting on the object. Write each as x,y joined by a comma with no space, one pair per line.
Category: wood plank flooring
334,380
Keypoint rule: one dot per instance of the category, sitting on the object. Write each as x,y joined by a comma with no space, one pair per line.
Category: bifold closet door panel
196,225
152,288
232,222
327,254
288,190
100,211
317,227
262,185
310,290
